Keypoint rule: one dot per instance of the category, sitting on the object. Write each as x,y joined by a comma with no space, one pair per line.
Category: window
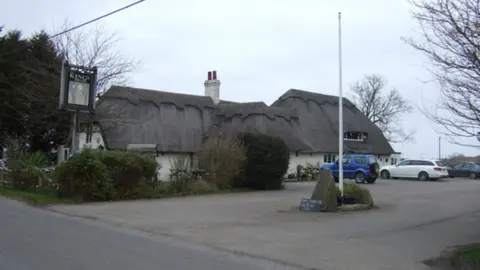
355,136
415,162
467,166
386,160
439,163
346,160
421,163
329,158
372,160
404,163
458,166
360,160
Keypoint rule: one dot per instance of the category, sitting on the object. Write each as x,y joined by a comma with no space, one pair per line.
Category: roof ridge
293,90
123,88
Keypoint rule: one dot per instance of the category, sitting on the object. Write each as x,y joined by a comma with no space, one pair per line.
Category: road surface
37,239
416,221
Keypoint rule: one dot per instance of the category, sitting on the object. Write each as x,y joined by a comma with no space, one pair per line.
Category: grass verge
470,252
34,198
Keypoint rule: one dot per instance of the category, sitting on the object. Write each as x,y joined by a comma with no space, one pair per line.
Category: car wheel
371,180
423,176
473,175
335,179
360,178
385,174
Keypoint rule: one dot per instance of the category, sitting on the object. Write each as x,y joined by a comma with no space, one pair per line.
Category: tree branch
384,110
451,41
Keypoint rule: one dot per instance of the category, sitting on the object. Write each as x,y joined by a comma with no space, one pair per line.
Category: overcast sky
260,48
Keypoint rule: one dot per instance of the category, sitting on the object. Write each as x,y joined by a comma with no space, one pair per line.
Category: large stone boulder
326,191
364,197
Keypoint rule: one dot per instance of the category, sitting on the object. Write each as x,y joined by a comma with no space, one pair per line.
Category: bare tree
450,31
96,47
382,107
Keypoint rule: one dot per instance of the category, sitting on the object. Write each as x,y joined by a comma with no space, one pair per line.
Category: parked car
362,168
423,170
469,169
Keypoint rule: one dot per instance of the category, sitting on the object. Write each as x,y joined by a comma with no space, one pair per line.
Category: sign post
77,94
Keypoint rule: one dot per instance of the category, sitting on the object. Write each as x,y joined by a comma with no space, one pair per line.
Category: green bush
27,171
129,171
86,177
95,175
199,187
351,190
267,160
361,195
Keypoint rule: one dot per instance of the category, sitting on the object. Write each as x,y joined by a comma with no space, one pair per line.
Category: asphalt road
415,221
37,239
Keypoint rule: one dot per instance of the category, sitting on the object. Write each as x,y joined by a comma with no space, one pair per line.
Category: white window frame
329,158
360,136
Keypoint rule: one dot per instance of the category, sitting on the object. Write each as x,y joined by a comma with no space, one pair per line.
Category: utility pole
439,147
340,107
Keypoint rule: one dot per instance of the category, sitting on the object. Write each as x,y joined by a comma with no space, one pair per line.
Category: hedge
94,175
267,160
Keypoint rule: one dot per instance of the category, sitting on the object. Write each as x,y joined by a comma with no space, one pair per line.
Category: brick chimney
212,87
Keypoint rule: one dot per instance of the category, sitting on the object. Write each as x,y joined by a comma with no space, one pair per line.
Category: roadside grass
34,198
470,252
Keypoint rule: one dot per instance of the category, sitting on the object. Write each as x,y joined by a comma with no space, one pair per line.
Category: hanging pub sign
78,88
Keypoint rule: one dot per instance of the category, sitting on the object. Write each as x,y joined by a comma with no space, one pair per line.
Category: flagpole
340,106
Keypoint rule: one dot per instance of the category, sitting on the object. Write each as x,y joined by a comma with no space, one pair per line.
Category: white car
421,169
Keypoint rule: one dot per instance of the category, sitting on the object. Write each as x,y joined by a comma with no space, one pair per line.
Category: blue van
360,167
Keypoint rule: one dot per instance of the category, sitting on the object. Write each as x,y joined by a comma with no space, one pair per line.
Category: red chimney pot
214,75
209,75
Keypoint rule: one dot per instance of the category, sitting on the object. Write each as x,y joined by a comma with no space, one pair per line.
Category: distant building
173,124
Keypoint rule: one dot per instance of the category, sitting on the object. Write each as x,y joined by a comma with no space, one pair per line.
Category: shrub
155,190
351,190
267,161
129,171
97,175
86,177
200,187
361,195
222,158
28,170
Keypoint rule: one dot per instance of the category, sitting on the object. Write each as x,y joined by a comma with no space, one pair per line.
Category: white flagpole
340,106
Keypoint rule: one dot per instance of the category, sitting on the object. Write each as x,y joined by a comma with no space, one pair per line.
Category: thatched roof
179,122
258,117
318,115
